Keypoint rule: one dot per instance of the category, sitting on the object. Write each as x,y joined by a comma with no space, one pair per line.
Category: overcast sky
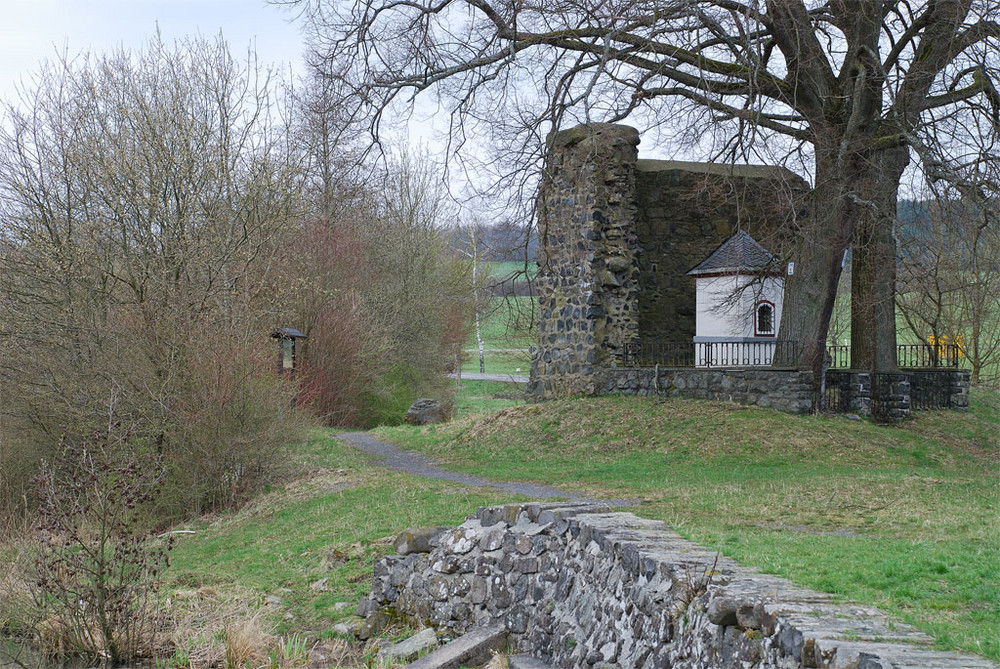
36,30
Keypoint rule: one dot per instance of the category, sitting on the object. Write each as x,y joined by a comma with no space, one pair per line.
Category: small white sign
791,268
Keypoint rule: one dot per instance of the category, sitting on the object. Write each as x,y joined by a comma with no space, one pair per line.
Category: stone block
474,648
409,649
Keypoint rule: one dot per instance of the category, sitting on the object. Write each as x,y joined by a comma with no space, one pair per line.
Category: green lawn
479,397
507,322
507,327
505,361
329,523
508,270
905,518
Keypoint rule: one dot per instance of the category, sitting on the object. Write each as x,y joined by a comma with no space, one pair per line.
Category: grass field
507,322
508,329
330,522
504,361
478,397
513,270
905,518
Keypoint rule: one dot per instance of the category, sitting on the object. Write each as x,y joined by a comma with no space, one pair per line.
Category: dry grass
230,630
498,661
210,628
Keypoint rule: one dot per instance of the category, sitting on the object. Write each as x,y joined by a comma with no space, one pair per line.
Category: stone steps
475,648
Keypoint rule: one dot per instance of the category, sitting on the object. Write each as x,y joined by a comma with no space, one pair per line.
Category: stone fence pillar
890,396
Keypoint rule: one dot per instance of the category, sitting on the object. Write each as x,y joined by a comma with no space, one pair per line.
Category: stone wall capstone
580,586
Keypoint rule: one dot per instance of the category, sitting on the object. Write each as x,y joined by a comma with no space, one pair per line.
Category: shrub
95,568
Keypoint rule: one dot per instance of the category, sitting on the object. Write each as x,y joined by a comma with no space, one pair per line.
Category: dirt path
503,378
394,457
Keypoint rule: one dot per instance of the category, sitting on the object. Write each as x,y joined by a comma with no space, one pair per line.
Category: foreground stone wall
578,586
787,390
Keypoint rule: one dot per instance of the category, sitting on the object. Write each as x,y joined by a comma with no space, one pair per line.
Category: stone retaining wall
787,390
578,586
939,388
894,396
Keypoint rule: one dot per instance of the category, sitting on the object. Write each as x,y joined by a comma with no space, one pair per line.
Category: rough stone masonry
617,236
580,586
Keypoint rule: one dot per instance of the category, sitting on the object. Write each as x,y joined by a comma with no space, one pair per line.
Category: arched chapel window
764,319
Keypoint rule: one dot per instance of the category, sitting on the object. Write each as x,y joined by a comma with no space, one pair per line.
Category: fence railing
840,357
712,354
908,356
766,353
922,356
668,354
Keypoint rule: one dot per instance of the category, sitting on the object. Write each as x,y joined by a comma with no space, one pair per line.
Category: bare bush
96,570
384,300
144,197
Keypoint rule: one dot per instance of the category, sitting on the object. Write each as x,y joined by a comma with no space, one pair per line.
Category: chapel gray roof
740,253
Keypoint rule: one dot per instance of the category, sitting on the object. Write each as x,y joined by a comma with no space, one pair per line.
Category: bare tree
142,196
851,86
950,281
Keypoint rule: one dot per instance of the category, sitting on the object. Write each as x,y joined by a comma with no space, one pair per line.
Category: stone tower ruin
617,236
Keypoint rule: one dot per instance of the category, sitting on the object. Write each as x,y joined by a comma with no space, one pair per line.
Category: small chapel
655,262
739,290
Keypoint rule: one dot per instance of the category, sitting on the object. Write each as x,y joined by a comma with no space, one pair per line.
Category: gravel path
505,378
394,457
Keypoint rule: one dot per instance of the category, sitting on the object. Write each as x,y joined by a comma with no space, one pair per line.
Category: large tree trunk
873,268
853,204
811,289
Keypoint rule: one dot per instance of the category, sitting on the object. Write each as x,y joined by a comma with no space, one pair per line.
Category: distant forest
516,243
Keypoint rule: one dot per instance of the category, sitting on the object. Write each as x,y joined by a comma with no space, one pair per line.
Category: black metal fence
840,357
713,354
922,356
931,389
908,356
923,398
667,354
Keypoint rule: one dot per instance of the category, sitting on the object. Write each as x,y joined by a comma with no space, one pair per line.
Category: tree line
161,212
856,94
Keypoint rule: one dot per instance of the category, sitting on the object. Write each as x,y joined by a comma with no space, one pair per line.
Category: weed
181,659
693,584
292,651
